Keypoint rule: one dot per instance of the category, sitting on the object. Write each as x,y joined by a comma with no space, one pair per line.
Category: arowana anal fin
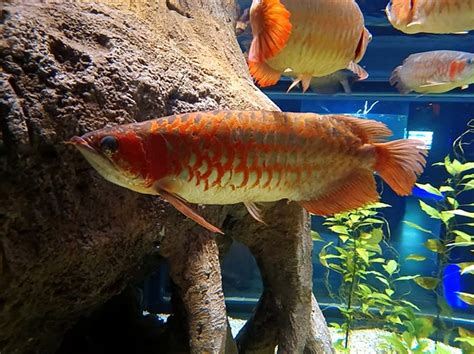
355,191
184,208
271,29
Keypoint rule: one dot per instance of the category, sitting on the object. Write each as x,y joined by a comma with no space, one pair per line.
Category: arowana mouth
81,144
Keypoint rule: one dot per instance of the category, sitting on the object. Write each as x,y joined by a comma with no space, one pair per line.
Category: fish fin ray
346,86
396,80
305,82
181,205
369,131
254,211
293,84
400,162
263,74
358,70
355,191
271,28
414,23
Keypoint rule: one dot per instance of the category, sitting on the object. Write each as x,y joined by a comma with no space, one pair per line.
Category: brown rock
70,240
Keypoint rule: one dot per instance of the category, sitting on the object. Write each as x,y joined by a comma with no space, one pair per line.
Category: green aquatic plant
456,219
368,279
414,337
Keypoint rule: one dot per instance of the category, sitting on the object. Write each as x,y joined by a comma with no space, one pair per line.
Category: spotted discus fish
431,16
434,72
304,39
324,162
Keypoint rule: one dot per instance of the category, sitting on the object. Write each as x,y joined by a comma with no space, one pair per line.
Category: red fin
264,74
358,70
400,162
354,192
368,130
271,29
183,207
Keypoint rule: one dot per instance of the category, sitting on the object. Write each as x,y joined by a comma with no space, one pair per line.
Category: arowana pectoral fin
184,208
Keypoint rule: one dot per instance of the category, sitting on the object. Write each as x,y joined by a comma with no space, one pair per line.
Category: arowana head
463,70
125,155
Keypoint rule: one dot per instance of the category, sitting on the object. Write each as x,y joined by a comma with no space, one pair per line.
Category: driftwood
69,240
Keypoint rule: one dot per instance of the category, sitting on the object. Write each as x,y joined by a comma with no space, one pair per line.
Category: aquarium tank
405,265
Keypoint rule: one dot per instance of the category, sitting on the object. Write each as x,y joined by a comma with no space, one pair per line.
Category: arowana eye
470,61
109,144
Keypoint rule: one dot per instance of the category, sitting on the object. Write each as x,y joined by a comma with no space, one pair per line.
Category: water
438,119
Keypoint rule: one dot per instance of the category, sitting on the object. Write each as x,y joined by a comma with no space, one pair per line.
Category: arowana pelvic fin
184,208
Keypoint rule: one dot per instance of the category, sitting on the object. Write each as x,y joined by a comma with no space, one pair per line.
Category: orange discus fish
434,72
305,39
431,16
325,163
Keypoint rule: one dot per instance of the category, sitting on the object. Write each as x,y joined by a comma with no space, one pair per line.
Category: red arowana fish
305,39
434,72
431,16
325,163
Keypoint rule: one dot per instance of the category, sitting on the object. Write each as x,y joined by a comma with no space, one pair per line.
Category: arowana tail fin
271,29
396,80
400,162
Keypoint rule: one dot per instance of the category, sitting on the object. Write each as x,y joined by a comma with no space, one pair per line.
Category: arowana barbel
323,162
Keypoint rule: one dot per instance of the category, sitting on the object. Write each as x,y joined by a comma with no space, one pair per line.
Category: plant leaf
429,188
316,236
391,266
432,212
444,189
339,229
466,267
428,283
453,202
418,227
466,297
465,332
445,217
407,277
434,245
415,257
467,340
471,176
467,166
461,212
322,255
463,237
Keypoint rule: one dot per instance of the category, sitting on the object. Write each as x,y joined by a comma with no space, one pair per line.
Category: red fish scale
255,137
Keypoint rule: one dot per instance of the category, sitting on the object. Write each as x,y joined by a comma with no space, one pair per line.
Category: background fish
434,72
304,39
333,83
431,16
325,163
